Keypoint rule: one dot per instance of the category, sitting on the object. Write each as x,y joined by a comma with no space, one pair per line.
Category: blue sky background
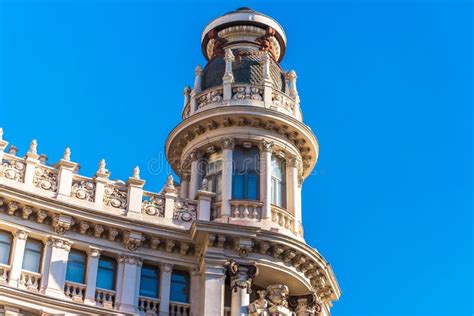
385,85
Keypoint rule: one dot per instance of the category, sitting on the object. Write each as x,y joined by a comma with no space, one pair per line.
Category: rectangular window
32,256
179,291
5,247
76,266
278,189
106,273
149,281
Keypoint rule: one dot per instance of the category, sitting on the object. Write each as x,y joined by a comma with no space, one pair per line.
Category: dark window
76,266
106,273
149,281
245,182
213,174
179,287
32,256
5,247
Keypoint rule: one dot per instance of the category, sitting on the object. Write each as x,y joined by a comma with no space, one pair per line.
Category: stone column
184,191
241,284
227,145
196,89
66,172
93,255
228,77
47,250
204,205
267,80
57,266
127,301
135,193
196,291
196,156
266,148
165,287
292,190
19,243
214,284
291,77
170,197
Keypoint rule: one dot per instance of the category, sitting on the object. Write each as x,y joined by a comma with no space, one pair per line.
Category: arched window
32,256
76,266
5,247
106,273
245,174
213,174
180,286
278,181
150,281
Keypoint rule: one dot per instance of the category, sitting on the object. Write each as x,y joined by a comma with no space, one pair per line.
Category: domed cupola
242,137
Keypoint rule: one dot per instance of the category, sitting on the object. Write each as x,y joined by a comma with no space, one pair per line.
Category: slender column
127,302
241,284
197,88
214,284
228,77
57,266
165,287
47,250
196,156
19,243
204,205
227,145
135,193
184,191
292,190
93,255
66,171
196,291
186,94
266,148
291,77
267,80
170,197
298,212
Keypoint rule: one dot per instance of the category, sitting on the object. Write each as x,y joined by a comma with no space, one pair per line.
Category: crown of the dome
243,27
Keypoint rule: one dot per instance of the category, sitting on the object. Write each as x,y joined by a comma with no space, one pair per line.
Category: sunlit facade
226,238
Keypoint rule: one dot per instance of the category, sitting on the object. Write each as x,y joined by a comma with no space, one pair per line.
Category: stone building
227,240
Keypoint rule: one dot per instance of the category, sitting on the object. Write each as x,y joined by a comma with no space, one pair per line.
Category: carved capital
94,252
196,154
21,234
185,176
132,240
62,223
266,146
166,267
227,143
59,243
124,258
242,276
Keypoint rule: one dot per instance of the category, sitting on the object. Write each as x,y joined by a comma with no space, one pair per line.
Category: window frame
277,182
114,274
158,280
187,285
9,245
39,252
84,265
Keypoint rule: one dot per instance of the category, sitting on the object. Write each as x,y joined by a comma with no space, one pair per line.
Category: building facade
226,239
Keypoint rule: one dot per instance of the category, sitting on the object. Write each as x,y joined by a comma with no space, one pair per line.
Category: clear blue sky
385,85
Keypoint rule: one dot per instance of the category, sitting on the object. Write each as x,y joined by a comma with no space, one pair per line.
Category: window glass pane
76,266
149,281
32,256
106,274
252,187
237,186
218,186
179,291
5,246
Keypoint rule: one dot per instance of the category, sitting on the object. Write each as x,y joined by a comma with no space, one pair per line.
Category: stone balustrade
75,291
148,305
241,94
106,298
30,280
245,209
4,271
282,218
179,309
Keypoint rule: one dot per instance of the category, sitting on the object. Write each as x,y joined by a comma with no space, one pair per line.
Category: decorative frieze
115,197
46,179
13,169
184,211
83,190
154,206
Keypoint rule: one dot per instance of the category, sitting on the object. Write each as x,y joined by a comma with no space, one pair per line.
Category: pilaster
127,301
93,255
165,287
57,266
19,243
266,149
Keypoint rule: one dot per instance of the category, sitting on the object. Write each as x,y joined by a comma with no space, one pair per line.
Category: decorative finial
198,70
67,154
170,184
33,147
102,167
43,159
229,55
136,172
187,90
13,150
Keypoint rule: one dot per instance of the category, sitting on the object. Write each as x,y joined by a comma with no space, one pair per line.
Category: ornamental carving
184,211
83,190
62,223
60,243
12,169
155,206
115,197
247,93
241,276
45,179
210,97
305,304
280,101
132,240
